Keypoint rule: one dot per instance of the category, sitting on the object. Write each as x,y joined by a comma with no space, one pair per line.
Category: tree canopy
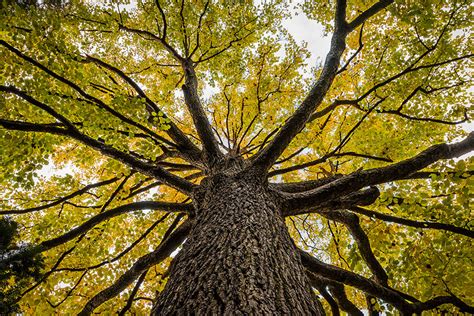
111,114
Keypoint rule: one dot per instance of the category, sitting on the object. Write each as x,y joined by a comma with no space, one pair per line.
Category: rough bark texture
239,258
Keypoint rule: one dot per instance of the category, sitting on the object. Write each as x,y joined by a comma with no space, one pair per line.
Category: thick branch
190,95
351,221
145,168
297,121
165,248
337,290
389,295
346,277
320,284
200,120
33,127
301,186
94,221
123,252
297,206
316,95
400,170
75,87
440,300
332,303
364,16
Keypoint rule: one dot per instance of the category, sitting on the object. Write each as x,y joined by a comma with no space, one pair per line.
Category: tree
132,130
16,274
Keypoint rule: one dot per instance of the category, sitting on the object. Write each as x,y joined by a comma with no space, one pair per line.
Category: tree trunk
239,258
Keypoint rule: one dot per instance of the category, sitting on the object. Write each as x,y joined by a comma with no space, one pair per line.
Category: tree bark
239,258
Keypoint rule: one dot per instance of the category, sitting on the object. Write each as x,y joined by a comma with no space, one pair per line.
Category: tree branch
123,252
44,107
349,60
228,45
324,159
440,300
407,222
75,87
298,206
387,294
351,221
349,278
47,274
198,29
174,53
163,18
94,221
145,168
332,303
33,127
301,186
59,200
127,306
337,290
190,95
364,16
69,292
185,145
320,283
410,68
198,115
371,302
428,174
358,180
297,121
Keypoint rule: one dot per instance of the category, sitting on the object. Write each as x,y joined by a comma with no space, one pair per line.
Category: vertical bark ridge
239,258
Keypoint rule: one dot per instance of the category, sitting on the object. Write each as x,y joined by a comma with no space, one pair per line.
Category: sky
311,32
